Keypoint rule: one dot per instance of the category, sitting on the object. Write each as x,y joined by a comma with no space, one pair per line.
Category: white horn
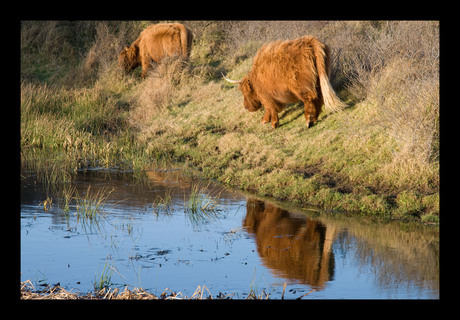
230,80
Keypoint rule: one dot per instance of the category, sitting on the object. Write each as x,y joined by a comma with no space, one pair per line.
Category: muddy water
148,235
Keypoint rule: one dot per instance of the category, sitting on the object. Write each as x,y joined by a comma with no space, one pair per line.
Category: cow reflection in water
295,248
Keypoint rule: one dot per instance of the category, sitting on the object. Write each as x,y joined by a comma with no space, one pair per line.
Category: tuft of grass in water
47,203
104,280
89,206
163,204
202,204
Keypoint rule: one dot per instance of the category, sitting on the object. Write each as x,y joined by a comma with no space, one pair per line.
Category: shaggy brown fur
288,72
154,43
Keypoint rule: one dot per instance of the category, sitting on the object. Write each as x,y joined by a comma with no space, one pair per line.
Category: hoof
310,123
264,122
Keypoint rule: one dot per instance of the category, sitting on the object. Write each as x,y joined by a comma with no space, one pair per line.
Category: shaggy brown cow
288,72
154,43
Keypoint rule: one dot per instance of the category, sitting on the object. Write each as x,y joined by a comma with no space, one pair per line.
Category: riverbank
343,163
379,156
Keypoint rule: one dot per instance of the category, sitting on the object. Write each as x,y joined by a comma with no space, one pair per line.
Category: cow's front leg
145,67
266,118
272,115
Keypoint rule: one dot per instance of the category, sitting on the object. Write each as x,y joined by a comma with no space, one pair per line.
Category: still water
173,231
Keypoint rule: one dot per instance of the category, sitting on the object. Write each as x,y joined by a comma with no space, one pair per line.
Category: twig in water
284,288
305,294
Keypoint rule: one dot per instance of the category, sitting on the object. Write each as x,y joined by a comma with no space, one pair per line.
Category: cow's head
129,58
251,101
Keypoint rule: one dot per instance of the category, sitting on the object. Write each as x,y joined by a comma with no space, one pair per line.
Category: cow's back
161,40
284,66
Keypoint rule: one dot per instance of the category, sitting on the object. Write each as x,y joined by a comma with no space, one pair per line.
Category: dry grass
159,90
409,108
28,292
56,292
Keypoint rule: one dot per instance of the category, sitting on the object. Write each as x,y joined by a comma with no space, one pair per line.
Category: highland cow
155,43
286,72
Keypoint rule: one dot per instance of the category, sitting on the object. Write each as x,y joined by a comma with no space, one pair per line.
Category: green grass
89,206
342,163
103,281
88,125
379,156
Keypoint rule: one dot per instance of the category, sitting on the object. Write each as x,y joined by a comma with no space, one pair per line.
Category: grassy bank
378,156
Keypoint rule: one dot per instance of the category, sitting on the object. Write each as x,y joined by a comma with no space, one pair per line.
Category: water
147,235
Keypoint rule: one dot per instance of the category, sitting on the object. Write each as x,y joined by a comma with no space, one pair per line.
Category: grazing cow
288,72
154,43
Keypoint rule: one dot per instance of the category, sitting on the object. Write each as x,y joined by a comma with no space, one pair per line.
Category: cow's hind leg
318,106
275,121
311,115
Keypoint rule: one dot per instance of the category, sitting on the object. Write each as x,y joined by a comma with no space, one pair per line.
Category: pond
170,230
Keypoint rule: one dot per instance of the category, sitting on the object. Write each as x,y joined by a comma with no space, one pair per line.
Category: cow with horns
286,72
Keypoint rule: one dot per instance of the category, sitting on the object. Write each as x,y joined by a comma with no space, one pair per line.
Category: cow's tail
186,39
332,103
